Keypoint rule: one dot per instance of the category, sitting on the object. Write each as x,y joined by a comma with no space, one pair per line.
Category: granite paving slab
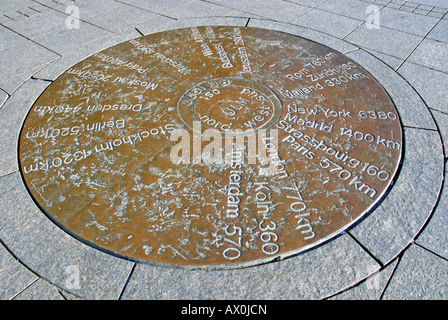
14,277
357,9
327,22
389,41
429,83
420,275
197,9
39,290
404,212
440,32
279,11
407,22
371,288
431,53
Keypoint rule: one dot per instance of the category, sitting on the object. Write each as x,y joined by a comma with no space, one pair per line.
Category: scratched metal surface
96,155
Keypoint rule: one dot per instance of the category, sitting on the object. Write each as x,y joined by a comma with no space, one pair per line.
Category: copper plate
96,149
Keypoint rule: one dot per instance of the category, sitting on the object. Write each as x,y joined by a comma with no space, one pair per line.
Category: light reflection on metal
96,154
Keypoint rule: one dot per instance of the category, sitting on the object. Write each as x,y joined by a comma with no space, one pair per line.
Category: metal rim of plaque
135,150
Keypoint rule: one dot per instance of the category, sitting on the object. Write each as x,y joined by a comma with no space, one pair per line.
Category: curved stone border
343,262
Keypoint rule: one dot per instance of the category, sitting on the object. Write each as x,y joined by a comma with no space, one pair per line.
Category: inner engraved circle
228,104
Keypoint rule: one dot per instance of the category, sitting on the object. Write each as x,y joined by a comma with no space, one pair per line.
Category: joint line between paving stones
139,32
400,255
29,269
443,112
8,174
430,251
436,204
61,294
427,129
26,287
366,250
40,79
127,281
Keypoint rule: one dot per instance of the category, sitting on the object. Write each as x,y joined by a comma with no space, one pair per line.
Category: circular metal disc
135,149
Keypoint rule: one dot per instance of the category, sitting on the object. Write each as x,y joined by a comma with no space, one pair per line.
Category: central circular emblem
228,104
210,147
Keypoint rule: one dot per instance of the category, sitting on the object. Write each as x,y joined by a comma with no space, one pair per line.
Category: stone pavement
400,251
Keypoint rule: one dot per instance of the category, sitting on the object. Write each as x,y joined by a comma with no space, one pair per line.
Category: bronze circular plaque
210,147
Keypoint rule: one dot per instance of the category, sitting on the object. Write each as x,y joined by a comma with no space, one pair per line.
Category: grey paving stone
440,31
385,40
53,254
10,38
242,14
406,21
402,214
64,40
430,84
309,3
394,5
371,288
350,8
162,23
327,22
12,115
39,7
197,9
420,275
234,4
50,28
14,277
158,6
435,3
442,122
39,290
431,53
322,38
276,10
434,236
110,15
22,61
39,24
57,67
8,6
420,11
413,111
435,14
399,2
314,275
28,11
